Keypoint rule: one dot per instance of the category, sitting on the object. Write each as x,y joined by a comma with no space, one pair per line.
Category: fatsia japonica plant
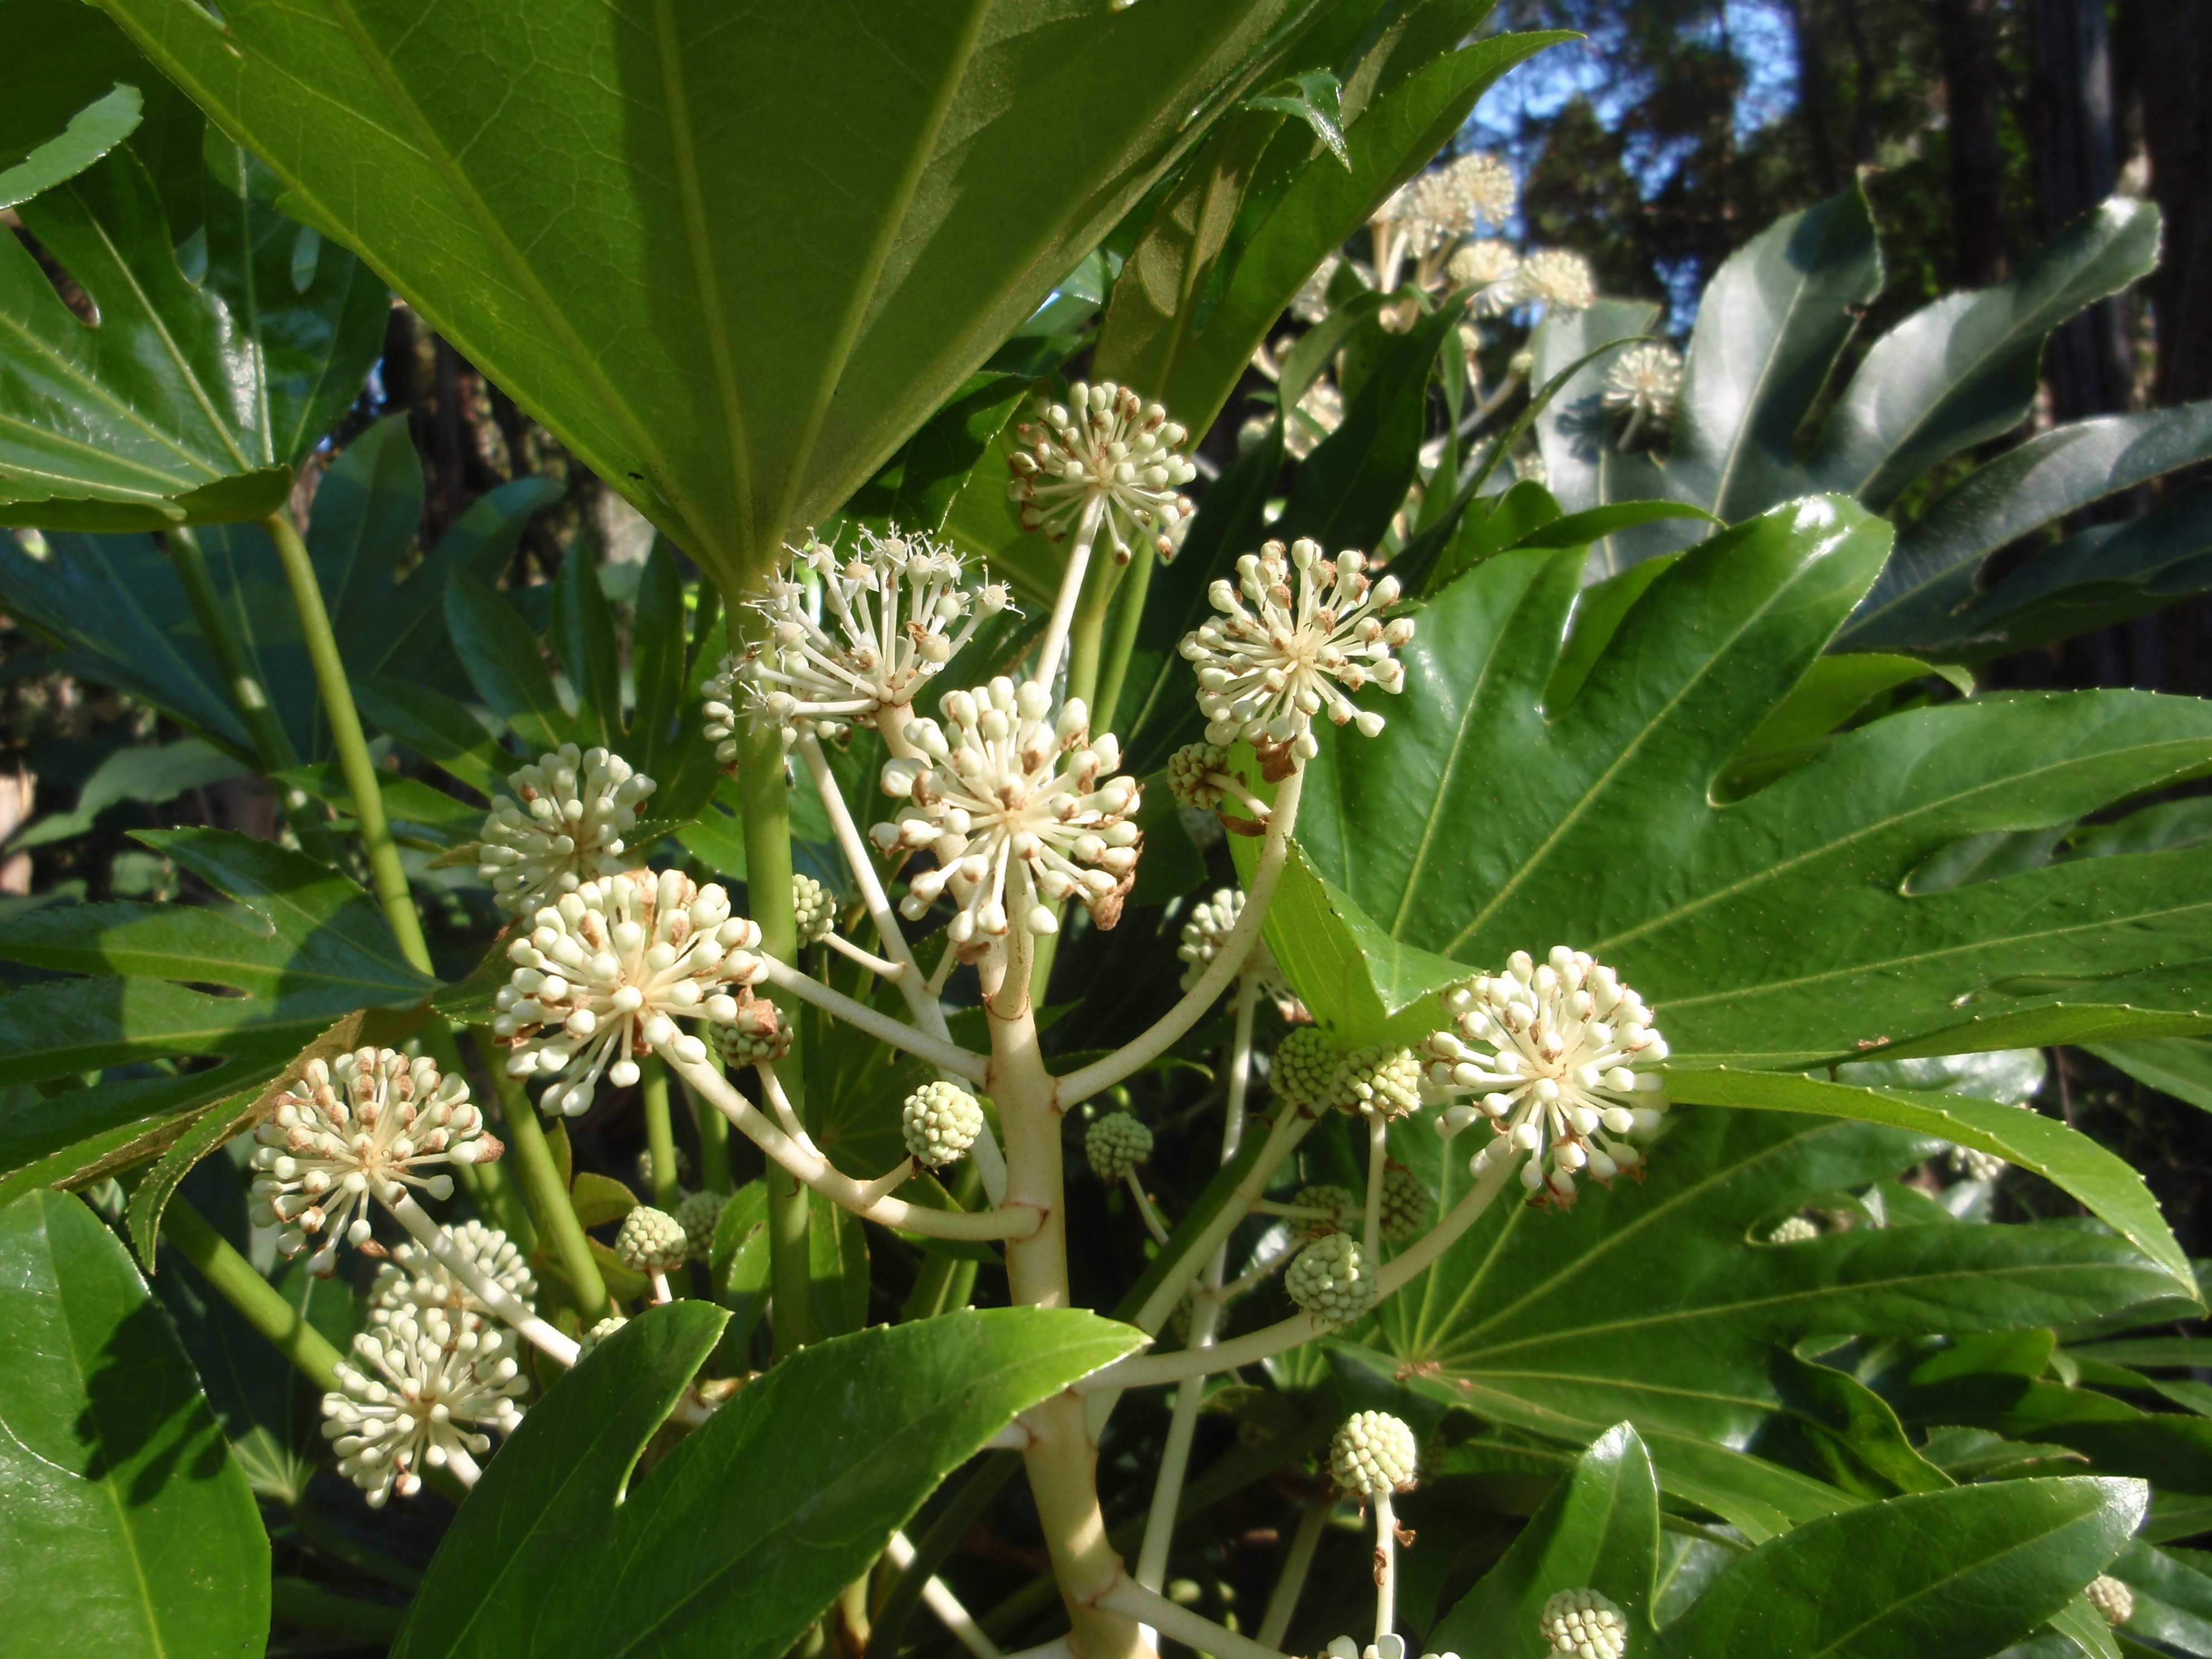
1087,1016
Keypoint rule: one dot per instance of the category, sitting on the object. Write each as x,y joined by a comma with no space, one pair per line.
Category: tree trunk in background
1972,98
1814,82
2172,52
2079,165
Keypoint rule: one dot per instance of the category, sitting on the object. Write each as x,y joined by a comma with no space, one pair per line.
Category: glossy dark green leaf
1964,1571
2106,1184
647,205
2180,1067
1934,570
151,776
1964,370
1596,523
1549,1323
737,1263
1833,689
437,727
2174,1596
300,945
1607,836
953,453
129,1529
1834,1425
504,660
739,1540
583,635
1599,1530
93,131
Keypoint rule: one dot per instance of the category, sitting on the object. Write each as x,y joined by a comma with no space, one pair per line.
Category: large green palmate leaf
1780,930
298,947
739,1540
1656,1303
123,618
734,310
1963,1572
129,1529
190,402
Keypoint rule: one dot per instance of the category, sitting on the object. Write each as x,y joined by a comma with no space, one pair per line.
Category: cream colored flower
1104,444
564,827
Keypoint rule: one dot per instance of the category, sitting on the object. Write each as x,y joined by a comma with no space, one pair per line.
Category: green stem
272,744
1127,621
233,1277
540,1180
306,1606
659,1134
384,866
934,1546
491,1185
1086,636
767,805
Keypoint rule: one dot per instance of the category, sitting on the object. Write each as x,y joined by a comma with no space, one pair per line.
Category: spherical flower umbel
1264,673
599,1333
1305,1070
1645,382
1796,1230
864,636
605,973
1379,1079
1115,1145
2112,1597
1021,811
414,1280
1332,1279
756,1034
1108,447
1207,931
366,1125
1432,208
651,1240
1373,1455
1556,280
1191,770
1489,268
564,827
941,1120
1405,1206
416,1392
698,1216
813,909
1342,1205
1582,1624
1550,1053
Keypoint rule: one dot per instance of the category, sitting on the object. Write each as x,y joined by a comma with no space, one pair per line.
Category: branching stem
1283,1602
495,1296
951,1057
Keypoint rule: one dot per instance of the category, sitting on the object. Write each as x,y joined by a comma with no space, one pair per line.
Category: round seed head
1116,1144
1188,769
644,1182
2112,1597
1373,1455
1342,1203
1331,1279
698,1216
941,1121
651,1240
1405,1206
755,1033
1379,1079
1582,1624
813,906
1305,1070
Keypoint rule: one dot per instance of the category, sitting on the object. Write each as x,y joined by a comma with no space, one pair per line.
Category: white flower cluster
605,973
1433,209
418,1393
1115,1145
1373,1455
1795,1230
1645,382
1211,922
414,1280
1489,267
1019,811
1584,1624
564,827
2112,1597
940,1121
1556,280
860,638
1380,1081
1549,1054
1389,1647
364,1126
1104,444
1264,673
1332,1279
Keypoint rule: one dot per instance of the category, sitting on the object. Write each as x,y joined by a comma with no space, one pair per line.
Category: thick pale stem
1227,962
1071,587
539,1177
1175,1456
922,996
352,744
1086,646
950,1056
659,1134
496,1298
1240,1067
714,1131
1386,1567
1378,1160
233,1277
1259,1272
1283,1602
806,1166
867,959
1132,1600
1153,1224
